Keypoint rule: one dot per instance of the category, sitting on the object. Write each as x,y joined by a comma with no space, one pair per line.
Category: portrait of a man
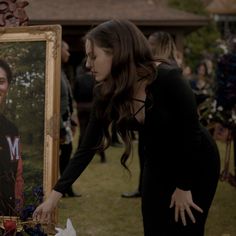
11,178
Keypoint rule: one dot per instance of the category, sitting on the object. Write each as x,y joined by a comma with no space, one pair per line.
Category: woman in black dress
181,160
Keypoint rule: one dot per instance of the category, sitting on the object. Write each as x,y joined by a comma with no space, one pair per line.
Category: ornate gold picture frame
33,54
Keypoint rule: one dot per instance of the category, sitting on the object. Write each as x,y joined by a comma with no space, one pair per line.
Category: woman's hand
43,213
182,200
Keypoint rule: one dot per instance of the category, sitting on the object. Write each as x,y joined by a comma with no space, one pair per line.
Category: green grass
102,212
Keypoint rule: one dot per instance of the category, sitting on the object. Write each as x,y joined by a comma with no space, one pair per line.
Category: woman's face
99,61
201,70
3,85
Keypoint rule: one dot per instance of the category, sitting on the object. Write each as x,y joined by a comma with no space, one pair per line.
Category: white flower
234,116
214,103
220,108
9,101
68,231
210,116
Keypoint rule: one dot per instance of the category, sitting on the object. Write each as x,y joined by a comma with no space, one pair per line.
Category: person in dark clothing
83,95
202,84
66,123
181,158
163,48
11,168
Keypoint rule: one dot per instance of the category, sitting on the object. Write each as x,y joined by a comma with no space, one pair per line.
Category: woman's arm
83,154
43,212
77,164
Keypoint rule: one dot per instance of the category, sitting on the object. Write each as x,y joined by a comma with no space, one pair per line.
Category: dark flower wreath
222,108
211,112
23,224
219,113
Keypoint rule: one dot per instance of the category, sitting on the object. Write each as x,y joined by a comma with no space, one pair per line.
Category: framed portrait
30,60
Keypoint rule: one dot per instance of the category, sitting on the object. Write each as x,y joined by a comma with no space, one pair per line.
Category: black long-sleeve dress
179,152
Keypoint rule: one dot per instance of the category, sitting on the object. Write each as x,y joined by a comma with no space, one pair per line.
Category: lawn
102,212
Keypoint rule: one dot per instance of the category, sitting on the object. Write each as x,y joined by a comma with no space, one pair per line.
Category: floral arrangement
221,108
211,113
222,123
219,112
23,224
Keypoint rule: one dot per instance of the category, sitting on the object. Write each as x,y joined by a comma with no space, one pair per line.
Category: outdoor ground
102,212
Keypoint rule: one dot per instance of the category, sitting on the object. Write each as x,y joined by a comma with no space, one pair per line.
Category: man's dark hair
5,66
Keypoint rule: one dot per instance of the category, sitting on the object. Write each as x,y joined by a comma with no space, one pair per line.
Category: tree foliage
200,44
194,6
204,40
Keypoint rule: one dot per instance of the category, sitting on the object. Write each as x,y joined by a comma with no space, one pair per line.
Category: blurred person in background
187,72
67,125
201,83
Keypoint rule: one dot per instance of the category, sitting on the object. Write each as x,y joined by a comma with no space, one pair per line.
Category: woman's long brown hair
132,61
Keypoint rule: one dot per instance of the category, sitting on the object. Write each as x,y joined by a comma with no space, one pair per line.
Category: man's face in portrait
3,85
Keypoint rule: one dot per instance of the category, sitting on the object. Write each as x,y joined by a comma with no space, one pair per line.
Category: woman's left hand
182,200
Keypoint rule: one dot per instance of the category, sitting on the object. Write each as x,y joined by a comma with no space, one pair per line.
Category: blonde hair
164,46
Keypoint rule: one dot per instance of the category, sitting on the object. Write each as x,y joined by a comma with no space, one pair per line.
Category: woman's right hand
43,213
